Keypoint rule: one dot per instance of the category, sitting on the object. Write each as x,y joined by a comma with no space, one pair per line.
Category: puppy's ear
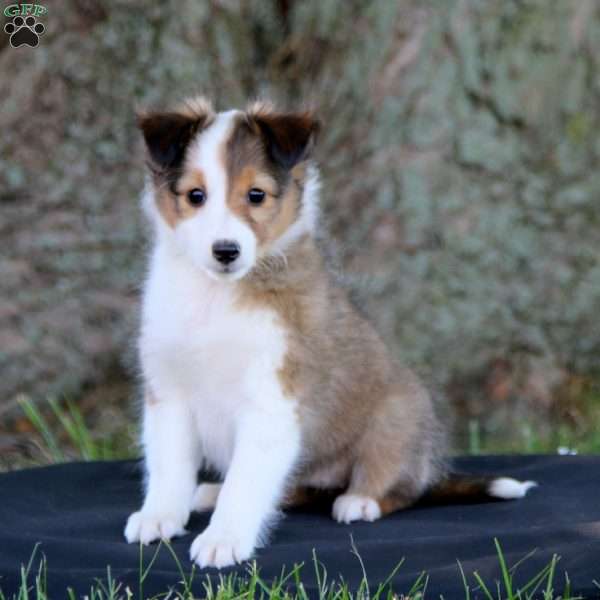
167,135
288,137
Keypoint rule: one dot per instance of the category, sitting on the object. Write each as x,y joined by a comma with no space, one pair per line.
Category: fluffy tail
465,489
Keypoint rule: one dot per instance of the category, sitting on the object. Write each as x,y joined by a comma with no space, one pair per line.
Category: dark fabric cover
78,511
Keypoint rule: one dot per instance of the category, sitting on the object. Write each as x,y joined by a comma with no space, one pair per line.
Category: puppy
254,360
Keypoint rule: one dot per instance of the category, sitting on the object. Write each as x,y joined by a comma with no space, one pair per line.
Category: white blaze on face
215,221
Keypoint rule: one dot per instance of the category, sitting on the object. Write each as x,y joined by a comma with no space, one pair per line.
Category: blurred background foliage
460,165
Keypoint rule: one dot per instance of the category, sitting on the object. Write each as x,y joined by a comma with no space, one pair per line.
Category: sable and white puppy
254,361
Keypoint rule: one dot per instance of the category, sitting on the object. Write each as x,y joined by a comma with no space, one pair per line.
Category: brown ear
167,136
288,137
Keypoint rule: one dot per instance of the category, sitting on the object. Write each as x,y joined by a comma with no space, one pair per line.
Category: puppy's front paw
146,527
352,507
217,548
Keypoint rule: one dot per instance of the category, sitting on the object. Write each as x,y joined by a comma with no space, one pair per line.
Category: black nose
226,251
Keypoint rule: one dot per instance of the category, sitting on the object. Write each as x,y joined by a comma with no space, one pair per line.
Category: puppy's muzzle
225,251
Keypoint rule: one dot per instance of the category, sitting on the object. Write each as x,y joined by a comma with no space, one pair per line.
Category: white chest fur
198,349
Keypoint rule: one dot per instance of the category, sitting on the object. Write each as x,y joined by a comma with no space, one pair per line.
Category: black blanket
78,511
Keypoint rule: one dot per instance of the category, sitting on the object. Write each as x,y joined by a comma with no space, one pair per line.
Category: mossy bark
460,162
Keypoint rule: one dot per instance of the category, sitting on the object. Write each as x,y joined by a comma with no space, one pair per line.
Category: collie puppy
255,363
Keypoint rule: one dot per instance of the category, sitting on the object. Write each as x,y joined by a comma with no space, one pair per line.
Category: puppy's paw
146,527
217,548
351,507
205,496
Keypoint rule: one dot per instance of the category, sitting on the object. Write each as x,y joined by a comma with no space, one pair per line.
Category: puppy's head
230,187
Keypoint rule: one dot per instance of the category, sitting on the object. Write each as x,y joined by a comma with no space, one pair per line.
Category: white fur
352,507
172,461
266,449
508,488
212,370
205,497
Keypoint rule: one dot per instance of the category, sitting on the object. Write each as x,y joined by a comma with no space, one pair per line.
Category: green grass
525,439
573,424
63,434
545,585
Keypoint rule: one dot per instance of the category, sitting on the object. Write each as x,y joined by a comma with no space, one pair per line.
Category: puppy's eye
256,196
196,197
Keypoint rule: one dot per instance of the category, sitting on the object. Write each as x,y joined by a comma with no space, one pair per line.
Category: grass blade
41,425
506,576
482,586
464,581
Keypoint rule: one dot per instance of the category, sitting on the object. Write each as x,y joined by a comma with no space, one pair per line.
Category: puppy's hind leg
394,459
369,503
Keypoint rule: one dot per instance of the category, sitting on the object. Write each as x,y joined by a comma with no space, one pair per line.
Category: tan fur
167,205
368,424
174,205
197,107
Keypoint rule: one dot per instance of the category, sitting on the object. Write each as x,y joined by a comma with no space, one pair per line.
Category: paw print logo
24,31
